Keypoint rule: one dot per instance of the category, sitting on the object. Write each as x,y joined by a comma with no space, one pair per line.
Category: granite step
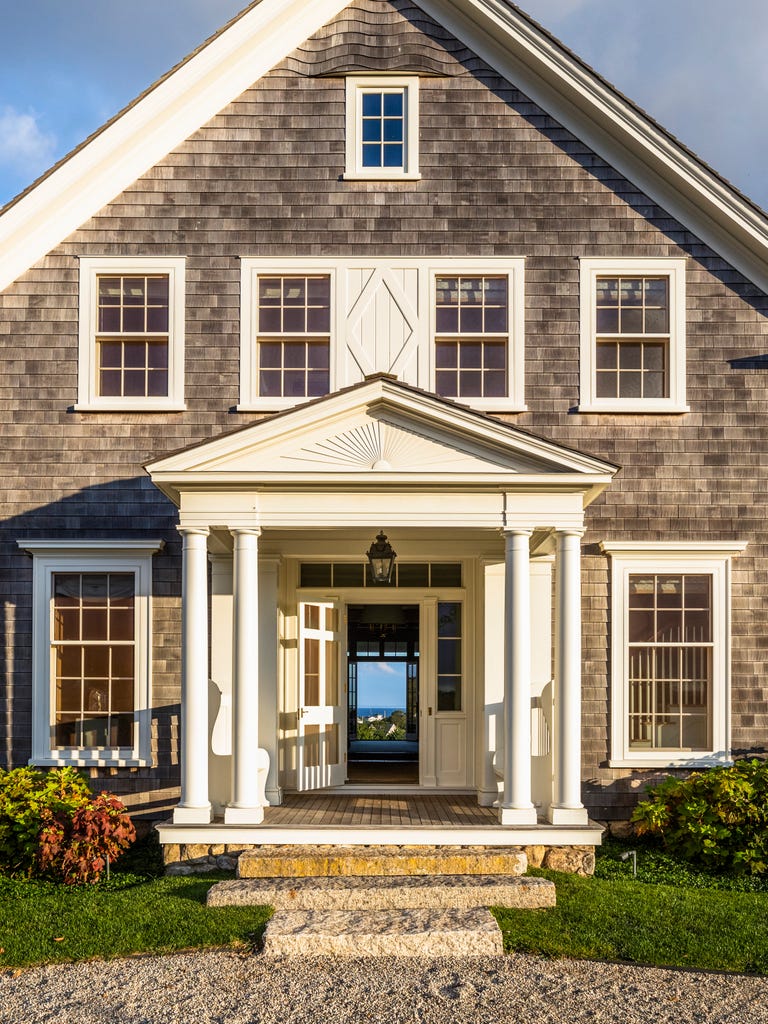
366,861
436,892
386,933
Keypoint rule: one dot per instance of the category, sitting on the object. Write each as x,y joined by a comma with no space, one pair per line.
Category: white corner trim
356,86
590,270
88,398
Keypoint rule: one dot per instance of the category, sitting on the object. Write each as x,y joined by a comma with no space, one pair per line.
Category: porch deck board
383,811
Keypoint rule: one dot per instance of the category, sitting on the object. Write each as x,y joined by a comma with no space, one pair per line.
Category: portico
449,486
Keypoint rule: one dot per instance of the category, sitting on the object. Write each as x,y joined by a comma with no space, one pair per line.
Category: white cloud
24,147
385,668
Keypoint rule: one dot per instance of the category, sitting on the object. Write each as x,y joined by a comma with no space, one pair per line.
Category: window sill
130,407
634,409
90,762
666,761
379,175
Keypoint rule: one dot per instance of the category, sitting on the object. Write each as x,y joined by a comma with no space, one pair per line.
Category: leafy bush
52,825
717,818
26,796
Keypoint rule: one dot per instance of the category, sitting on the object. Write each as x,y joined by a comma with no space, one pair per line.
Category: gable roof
496,30
383,433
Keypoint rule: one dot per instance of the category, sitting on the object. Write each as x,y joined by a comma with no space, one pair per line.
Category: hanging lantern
382,559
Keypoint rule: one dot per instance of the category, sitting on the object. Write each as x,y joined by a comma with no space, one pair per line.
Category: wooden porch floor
370,811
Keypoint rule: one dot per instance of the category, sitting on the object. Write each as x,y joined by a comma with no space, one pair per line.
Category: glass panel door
322,700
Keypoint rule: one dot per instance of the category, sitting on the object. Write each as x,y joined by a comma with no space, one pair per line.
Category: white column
245,807
516,807
194,807
567,808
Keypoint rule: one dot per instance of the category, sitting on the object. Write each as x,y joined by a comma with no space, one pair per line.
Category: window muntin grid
93,658
449,655
472,336
132,336
294,330
670,661
632,336
382,128
356,574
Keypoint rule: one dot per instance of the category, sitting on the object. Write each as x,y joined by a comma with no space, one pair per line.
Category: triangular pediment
382,432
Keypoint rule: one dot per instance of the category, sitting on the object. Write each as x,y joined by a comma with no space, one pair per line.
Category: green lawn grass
672,915
47,923
637,922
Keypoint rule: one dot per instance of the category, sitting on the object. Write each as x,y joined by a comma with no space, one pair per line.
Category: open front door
322,701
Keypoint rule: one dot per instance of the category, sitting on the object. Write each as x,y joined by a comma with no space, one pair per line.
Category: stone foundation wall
200,858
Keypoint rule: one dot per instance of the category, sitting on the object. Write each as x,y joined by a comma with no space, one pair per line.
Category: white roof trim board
268,31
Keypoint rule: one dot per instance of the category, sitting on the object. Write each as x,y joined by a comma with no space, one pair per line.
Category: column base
192,815
517,816
243,815
567,815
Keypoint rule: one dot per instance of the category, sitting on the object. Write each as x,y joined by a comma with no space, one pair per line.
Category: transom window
670,661
294,330
472,336
382,127
132,339
132,318
93,654
632,335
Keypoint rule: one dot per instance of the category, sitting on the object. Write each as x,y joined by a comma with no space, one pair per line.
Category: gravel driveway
232,988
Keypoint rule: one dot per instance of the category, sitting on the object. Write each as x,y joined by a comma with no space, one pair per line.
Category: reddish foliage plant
77,848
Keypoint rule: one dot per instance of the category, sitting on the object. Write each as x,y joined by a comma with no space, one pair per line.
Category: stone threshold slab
385,933
325,861
385,892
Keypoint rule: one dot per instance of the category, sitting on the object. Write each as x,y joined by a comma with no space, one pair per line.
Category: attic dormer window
382,128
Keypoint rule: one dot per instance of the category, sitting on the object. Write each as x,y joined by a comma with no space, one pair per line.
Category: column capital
571,531
193,531
245,531
515,531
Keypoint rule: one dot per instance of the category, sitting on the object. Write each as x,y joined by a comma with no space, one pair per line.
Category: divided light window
472,336
633,335
93,656
383,128
132,338
294,335
670,661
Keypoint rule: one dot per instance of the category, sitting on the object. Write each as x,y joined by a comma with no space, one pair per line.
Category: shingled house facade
400,267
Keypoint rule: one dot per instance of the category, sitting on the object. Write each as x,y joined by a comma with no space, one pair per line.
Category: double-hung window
478,334
131,334
382,130
313,325
670,642
632,335
91,652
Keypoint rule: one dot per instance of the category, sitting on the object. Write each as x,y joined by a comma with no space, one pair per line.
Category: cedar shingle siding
499,177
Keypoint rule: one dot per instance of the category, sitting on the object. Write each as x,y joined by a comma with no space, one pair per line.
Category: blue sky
380,685
698,66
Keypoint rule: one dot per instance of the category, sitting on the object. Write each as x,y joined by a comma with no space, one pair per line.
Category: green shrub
27,796
52,825
717,818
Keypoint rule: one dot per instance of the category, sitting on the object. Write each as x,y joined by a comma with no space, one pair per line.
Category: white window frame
514,270
357,86
129,556
91,269
251,271
591,269
428,268
712,559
